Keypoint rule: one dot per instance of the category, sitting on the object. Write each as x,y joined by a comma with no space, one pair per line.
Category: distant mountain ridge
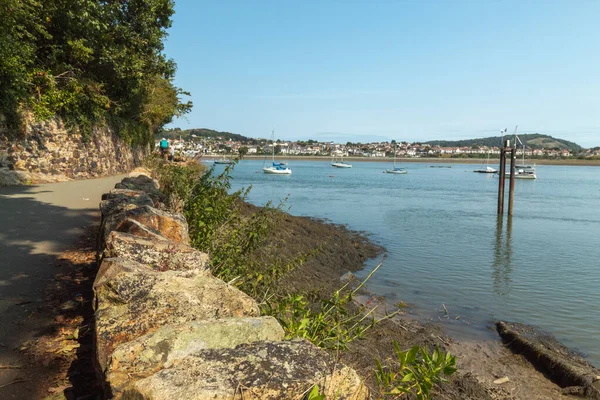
201,132
533,140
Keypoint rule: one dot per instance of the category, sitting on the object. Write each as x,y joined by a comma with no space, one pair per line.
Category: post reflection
502,265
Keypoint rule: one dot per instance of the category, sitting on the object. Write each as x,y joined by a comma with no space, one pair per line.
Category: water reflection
502,265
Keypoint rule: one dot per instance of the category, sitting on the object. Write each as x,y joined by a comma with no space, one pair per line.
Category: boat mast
522,144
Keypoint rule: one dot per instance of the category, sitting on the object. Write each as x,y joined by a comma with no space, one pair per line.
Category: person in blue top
164,148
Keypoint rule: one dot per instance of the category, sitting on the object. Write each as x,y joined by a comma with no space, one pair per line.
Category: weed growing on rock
417,372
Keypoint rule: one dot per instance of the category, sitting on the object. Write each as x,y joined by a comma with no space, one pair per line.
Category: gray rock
121,200
261,370
131,301
171,226
149,353
155,252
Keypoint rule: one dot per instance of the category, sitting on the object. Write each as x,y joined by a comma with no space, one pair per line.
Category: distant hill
202,133
533,140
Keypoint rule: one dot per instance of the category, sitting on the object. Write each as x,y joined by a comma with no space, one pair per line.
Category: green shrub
417,372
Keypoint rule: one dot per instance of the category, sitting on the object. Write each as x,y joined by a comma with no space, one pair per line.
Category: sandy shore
433,160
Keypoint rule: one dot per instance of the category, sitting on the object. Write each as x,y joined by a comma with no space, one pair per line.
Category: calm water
446,245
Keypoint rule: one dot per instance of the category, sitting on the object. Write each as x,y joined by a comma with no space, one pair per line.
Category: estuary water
446,245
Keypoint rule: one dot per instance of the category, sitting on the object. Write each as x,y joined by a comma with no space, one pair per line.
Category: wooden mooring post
511,185
506,149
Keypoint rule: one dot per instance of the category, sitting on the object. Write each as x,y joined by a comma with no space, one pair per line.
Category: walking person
164,148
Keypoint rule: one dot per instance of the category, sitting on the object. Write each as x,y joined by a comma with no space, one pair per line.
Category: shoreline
479,362
481,359
432,160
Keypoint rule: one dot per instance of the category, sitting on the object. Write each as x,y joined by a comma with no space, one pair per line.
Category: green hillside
533,140
202,133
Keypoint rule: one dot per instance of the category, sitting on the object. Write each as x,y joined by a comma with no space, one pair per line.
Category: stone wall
166,328
47,152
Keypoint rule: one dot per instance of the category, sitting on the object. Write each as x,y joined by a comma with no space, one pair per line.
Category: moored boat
396,170
277,168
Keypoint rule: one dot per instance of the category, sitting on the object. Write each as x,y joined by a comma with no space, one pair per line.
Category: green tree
243,151
89,62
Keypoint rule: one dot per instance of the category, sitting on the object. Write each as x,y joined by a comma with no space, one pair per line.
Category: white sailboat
523,171
276,168
396,170
340,163
487,169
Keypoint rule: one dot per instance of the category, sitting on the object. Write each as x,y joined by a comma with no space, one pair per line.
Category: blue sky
381,70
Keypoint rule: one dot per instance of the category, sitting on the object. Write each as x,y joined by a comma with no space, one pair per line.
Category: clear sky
379,70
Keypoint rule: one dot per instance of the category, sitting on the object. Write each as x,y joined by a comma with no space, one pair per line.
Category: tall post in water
501,180
511,187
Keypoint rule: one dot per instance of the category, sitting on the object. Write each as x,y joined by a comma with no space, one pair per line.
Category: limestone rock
157,253
140,171
171,226
140,182
261,370
121,200
149,353
131,301
133,227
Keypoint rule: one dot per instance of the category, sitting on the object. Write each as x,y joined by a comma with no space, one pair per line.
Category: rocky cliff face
47,152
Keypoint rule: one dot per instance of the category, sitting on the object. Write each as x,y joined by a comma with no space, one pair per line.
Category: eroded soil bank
58,364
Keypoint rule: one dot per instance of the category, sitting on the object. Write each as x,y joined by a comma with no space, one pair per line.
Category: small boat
487,169
276,168
524,172
340,163
396,170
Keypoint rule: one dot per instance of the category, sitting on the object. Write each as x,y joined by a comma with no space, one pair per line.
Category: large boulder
119,200
155,252
133,227
132,300
260,370
171,226
143,183
161,348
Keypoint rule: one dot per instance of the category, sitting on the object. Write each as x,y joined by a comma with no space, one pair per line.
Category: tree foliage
89,62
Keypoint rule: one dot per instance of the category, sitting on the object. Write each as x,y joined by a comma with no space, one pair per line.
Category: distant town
196,146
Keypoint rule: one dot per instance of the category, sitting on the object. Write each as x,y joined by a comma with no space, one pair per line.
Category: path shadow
34,230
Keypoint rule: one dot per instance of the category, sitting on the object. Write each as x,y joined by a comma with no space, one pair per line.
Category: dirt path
37,223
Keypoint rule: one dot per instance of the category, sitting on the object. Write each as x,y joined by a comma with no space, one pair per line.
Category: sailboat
340,163
276,168
488,169
523,171
395,170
